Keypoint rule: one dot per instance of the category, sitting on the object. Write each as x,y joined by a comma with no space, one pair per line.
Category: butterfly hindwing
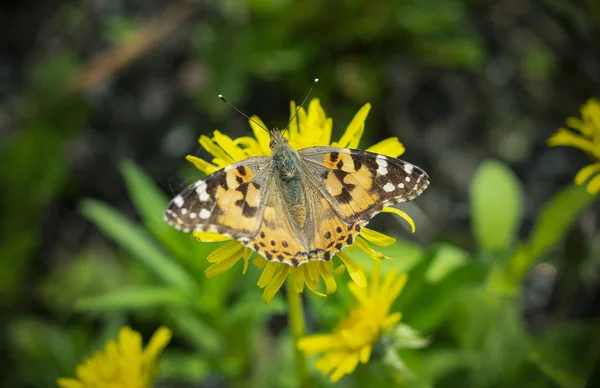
360,183
229,201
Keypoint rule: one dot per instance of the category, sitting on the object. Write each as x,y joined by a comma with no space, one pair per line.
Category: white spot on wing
401,185
408,168
204,214
183,211
201,191
192,215
407,179
178,200
389,187
382,170
200,187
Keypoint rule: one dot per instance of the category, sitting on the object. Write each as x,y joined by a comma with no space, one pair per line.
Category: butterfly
296,206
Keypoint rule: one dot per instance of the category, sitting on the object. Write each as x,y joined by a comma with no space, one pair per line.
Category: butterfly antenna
242,113
315,82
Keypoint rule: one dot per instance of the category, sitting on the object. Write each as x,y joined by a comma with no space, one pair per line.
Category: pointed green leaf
556,218
132,298
495,205
136,241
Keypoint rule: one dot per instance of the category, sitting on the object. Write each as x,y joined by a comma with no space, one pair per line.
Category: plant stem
296,322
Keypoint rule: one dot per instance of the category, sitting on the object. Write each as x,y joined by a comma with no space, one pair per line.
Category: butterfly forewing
360,183
229,201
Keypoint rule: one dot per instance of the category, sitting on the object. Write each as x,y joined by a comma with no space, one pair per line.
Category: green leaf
136,241
146,197
556,218
447,259
495,205
150,202
132,298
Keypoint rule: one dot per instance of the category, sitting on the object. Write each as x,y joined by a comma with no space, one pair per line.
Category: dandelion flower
353,338
123,363
309,128
585,135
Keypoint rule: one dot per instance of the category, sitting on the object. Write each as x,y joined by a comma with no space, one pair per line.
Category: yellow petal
339,270
229,146
210,237
221,266
318,343
591,115
360,294
594,186
158,342
130,341
232,248
578,124
585,173
365,247
377,238
259,261
317,127
400,213
389,147
212,148
346,366
398,286
310,275
329,361
351,137
297,279
245,269
391,320
69,383
202,165
267,274
275,283
250,145
365,353
564,137
262,136
328,279
355,273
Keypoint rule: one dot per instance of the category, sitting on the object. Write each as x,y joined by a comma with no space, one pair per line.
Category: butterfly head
277,139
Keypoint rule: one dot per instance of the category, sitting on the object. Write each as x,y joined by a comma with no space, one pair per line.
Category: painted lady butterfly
296,206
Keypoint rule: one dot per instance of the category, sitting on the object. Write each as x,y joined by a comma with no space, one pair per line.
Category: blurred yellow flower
587,138
123,364
353,338
309,128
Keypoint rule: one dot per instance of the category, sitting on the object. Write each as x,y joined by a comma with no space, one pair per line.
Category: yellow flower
123,364
353,338
587,139
309,128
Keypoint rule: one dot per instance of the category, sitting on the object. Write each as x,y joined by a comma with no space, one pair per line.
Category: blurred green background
100,101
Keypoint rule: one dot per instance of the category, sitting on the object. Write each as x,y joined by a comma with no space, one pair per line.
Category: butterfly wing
359,184
228,201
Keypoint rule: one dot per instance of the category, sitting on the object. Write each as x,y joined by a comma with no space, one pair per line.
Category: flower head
123,363
309,128
353,338
585,135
